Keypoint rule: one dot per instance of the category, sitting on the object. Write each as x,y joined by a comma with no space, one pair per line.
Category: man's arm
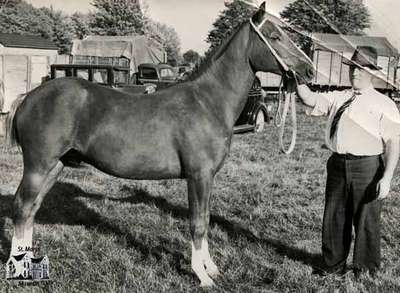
319,103
392,153
306,95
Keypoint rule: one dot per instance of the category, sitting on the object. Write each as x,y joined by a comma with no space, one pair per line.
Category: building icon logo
27,267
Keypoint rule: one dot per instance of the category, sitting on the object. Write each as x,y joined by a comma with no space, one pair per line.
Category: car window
60,73
148,73
100,75
166,73
82,73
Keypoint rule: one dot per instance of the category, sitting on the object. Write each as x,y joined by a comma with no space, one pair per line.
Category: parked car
161,75
151,77
255,113
183,70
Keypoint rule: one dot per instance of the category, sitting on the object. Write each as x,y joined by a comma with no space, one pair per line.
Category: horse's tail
11,130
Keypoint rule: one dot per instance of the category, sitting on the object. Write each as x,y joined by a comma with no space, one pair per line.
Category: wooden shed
24,61
331,72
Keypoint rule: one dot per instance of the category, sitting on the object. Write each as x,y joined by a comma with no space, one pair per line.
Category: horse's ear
258,17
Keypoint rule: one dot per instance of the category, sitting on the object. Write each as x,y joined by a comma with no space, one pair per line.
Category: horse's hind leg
199,189
31,191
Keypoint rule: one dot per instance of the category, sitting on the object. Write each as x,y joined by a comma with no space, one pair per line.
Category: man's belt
352,157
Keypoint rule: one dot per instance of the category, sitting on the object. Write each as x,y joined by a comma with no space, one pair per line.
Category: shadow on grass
233,229
62,206
5,211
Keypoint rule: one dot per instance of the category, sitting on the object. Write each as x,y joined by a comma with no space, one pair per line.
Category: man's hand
302,90
392,153
383,187
289,83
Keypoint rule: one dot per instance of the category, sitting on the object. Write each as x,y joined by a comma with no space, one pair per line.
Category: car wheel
260,121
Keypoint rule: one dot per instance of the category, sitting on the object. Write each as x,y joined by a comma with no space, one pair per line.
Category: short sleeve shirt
370,120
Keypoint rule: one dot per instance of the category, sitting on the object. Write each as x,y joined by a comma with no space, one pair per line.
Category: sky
193,19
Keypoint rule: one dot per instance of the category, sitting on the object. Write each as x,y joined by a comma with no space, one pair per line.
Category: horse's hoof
212,271
207,283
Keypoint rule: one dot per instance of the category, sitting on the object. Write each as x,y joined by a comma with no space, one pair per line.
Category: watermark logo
28,265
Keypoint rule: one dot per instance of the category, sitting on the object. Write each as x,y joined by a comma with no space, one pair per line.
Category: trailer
328,53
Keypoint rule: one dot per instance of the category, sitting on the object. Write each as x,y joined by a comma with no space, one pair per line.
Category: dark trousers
351,200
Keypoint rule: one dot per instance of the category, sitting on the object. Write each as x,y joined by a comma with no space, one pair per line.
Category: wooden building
332,73
328,53
24,61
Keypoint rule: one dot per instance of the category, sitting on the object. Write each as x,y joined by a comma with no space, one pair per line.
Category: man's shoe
340,271
359,271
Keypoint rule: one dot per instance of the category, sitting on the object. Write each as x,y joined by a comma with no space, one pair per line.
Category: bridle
290,98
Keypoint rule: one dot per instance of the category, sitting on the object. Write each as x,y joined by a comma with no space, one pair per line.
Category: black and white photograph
199,146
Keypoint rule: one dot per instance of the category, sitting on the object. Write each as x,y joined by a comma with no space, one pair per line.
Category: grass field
104,234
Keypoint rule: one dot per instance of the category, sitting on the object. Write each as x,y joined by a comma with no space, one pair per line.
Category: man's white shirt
370,120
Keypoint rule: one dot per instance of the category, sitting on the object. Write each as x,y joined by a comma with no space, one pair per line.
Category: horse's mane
211,56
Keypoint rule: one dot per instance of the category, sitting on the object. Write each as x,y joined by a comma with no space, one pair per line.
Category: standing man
363,134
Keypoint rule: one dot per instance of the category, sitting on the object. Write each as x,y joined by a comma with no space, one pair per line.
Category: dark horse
183,131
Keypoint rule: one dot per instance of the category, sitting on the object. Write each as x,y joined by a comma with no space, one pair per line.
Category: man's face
360,78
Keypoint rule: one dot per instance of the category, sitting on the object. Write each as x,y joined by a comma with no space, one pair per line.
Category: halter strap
289,99
277,57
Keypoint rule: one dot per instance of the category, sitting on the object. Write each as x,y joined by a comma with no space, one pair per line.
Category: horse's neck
227,82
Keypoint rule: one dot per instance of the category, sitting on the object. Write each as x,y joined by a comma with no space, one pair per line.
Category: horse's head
267,36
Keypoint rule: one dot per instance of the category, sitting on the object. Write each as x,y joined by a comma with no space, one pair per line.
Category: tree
230,19
168,38
347,17
126,17
81,25
117,18
8,3
22,18
59,29
191,56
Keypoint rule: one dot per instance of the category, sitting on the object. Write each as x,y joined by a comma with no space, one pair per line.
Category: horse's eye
276,36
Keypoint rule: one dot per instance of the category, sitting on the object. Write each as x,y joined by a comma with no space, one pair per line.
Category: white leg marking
198,267
19,245
211,268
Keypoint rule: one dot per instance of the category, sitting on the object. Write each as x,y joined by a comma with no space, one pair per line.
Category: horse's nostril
310,73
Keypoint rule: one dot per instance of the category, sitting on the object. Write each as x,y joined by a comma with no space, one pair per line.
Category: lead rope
289,100
278,115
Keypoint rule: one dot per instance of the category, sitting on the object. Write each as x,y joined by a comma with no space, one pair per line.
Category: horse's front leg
199,189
